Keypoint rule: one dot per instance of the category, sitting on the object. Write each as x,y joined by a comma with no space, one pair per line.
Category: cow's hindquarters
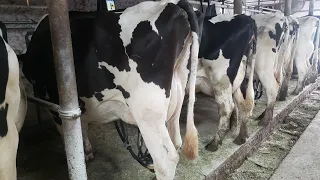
8,154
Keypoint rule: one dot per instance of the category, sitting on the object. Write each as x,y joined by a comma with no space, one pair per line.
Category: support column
237,6
311,7
287,7
68,97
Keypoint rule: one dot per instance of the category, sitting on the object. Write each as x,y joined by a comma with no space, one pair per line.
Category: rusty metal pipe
68,97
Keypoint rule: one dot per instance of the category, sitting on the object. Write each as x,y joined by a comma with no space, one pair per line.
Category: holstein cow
318,48
268,67
287,55
307,73
13,106
227,47
130,66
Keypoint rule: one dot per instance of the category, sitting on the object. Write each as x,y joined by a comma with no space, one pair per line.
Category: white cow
132,66
307,72
268,66
227,49
287,54
13,107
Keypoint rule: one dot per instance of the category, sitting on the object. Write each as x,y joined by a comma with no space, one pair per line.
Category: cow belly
111,108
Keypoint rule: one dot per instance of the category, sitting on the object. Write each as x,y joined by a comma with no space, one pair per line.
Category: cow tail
191,142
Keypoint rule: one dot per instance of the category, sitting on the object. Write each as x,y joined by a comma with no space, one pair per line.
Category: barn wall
18,11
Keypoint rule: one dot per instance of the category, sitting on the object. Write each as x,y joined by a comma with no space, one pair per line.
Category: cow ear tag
110,5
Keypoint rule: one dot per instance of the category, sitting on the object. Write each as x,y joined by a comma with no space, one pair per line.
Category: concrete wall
18,11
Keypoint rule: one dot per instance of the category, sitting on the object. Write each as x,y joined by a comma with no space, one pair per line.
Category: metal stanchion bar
68,97
45,104
311,7
237,7
287,7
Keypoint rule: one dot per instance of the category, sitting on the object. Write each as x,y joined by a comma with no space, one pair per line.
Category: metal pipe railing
68,97
44,104
230,6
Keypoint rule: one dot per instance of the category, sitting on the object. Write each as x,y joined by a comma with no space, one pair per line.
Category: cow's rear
12,109
132,66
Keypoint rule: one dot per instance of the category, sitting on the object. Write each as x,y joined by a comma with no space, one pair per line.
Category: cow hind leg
244,108
88,150
272,87
311,77
157,140
243,134
283,93
8,152
174,130
302,69
234,120
226,107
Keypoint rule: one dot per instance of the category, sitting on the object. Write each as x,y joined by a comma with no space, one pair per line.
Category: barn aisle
303,161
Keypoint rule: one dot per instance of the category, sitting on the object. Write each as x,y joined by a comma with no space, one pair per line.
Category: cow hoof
295,92
261,116
89,156
282,96
263,122
239,140
213,146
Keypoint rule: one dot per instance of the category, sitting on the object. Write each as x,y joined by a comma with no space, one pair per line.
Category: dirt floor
41,154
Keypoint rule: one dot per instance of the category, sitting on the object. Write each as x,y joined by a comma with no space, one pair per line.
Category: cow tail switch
191,142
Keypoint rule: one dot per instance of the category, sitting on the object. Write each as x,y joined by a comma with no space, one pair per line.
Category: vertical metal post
68,96
311,7
287,7
237,6
222,8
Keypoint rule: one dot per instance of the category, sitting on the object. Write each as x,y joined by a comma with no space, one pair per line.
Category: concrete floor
303,161
41,154
266,159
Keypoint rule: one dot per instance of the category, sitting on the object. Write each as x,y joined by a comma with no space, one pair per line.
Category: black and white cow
131,66
287,55
307,71
227,49
13,105
315,42
271,35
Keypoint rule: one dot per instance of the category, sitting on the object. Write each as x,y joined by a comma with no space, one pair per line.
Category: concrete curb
239,156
